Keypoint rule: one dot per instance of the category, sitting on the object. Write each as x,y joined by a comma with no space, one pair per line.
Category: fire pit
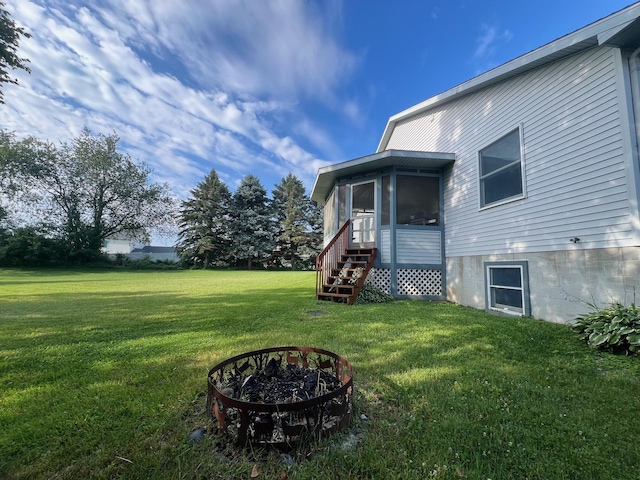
276,396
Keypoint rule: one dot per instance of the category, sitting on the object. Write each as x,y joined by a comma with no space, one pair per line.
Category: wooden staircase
345,280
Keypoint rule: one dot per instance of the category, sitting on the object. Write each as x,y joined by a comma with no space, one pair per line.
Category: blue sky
265,87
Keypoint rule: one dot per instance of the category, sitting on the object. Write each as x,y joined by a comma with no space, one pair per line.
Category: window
362,201
507,287
417,200
501,170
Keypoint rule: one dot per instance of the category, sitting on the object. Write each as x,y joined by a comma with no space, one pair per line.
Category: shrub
148,263
615,328
371,294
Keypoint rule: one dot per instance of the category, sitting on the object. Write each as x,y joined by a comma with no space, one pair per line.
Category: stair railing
331,255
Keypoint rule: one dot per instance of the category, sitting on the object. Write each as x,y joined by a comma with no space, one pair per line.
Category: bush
29,247
615,328
148,263
371,294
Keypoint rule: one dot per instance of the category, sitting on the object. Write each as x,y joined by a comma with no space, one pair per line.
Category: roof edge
594,34
327,175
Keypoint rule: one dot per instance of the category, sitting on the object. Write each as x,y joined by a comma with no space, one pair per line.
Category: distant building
118,244
155,253
133,250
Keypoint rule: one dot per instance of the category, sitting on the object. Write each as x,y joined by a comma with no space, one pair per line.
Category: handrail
330,256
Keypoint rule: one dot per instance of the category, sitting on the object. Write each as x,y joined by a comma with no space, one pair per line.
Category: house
167,254
118,244
133,250
517,191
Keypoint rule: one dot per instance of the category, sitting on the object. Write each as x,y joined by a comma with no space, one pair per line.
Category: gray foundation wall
560,283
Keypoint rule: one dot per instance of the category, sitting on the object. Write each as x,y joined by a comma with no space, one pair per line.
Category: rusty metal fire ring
283,423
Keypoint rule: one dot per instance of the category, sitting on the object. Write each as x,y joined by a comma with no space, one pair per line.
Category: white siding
117,245
419,247
385,246
574,161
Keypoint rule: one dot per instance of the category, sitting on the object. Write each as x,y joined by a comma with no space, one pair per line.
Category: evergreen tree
315,235
252,223
204,238
291,207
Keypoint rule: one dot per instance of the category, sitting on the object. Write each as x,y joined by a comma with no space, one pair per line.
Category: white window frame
523,267
481,204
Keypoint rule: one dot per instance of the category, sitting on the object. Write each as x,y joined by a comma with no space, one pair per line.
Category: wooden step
345,261
334,296
336,271
350,263
332,278
359,251
337,288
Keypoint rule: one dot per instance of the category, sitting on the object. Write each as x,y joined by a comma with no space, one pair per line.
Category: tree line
59,204
247,228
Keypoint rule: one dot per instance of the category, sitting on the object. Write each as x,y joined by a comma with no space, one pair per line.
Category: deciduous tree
88,191
10,35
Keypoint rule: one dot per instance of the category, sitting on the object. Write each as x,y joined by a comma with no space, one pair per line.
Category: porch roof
328,175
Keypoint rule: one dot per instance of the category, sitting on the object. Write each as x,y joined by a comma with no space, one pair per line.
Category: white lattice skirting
411,281
379,278
414,281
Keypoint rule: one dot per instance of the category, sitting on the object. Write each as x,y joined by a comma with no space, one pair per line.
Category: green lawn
103,375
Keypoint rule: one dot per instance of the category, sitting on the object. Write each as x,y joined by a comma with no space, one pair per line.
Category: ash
275,384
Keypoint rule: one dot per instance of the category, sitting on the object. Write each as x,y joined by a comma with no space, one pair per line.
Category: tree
9,42
253,227
291,207
3,220
28,247
315,236
204,238
87,190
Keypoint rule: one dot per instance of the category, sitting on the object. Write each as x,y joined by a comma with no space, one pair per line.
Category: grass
103,375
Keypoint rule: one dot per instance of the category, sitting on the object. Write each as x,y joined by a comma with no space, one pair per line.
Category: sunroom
390,202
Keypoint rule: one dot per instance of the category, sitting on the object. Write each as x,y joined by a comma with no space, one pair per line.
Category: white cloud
488,42
352,110
188,88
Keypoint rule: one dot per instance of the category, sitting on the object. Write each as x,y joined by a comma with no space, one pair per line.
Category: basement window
507,287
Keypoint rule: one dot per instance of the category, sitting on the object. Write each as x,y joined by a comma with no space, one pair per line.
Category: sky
261,87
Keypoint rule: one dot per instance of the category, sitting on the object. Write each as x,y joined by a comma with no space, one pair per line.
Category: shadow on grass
114,372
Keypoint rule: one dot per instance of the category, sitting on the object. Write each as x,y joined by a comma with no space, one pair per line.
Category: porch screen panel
419,247
330,225
342,204
385,213
417,200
